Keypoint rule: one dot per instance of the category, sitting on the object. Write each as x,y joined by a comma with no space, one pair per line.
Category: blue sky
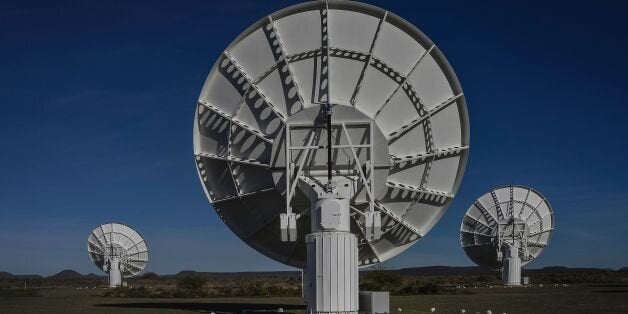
98,101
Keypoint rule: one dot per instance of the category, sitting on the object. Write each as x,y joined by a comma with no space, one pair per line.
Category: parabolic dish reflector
374,68
511,213
120,241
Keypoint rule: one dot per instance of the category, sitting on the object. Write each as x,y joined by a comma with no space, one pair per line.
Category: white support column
331,283
511,273
115,276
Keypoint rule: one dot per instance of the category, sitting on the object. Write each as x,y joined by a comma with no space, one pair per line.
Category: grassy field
547,299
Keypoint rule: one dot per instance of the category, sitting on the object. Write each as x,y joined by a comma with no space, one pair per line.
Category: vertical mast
329,155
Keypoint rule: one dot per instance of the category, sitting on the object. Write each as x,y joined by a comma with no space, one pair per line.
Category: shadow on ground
209,307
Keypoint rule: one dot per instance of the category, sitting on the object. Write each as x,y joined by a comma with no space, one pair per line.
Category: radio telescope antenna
117,250
331,135
507,228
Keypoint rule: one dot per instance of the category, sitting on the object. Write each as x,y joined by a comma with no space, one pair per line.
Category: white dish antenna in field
333,101
117,250
506,229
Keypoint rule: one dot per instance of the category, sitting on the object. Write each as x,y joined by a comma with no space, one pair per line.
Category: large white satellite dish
117,250
506,229
345,73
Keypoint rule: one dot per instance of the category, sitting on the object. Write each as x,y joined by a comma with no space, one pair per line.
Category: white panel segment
398,111
393,242
534,200
521,195
344,74
135,237
397,49
219,92
411,171
446,129
487,201
375,90
503,195
98,232
412,143
107,229
273,89
390,249
303,72
430,83
300,32
544,237
257,115
423,216
440,174
253,54
543,210
397,201
351,30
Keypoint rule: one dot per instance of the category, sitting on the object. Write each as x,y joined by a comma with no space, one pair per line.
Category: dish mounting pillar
511,272
115,276
331,275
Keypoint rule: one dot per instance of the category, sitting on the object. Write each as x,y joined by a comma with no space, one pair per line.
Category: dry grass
548,299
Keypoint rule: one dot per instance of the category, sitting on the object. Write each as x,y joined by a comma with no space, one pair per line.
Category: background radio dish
117,250
373,68
512,216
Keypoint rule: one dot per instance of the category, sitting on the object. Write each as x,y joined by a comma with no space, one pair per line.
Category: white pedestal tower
331,274
115,276
511,272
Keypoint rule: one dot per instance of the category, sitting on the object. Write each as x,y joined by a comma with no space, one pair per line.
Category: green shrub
149,276
126,292
380,281
416,287
191,287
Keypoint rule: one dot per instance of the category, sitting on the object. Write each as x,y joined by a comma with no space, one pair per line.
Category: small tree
149,276
192,286
378,280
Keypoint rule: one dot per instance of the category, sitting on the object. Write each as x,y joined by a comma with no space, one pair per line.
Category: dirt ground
547,299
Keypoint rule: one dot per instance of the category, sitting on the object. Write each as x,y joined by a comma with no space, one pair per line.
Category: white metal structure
507,228
328,135
117,250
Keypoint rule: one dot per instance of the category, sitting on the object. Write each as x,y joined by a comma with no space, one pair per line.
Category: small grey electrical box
374,302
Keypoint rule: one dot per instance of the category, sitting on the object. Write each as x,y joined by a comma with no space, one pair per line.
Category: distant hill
409,271
212,275
7,275
66,274
559,269
27,277
446,271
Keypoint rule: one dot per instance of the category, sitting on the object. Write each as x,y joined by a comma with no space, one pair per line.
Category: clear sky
98,99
